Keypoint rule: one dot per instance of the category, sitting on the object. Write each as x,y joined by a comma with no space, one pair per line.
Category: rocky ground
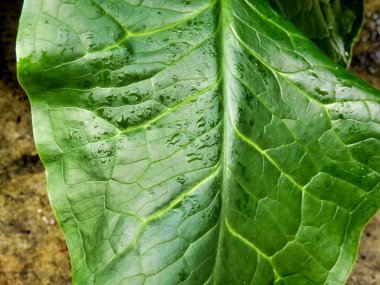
32,248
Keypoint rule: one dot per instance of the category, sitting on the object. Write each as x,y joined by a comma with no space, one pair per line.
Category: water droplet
321,92
193,157
75,135
313,75
181,179
201,122
175,78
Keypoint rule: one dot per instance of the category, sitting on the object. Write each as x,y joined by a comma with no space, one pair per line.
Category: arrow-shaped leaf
198,142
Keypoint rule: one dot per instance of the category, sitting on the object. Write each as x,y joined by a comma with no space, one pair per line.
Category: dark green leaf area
198,142
332,24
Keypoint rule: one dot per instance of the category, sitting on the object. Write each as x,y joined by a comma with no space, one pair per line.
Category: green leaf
198,142
332,24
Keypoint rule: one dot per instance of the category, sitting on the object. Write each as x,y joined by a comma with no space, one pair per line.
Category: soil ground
32,248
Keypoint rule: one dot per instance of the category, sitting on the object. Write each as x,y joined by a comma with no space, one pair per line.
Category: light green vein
251,245
181,197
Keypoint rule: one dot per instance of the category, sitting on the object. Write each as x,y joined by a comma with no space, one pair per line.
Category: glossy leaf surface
198,142
332,24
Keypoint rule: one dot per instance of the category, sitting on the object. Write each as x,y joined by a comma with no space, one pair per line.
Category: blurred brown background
32,248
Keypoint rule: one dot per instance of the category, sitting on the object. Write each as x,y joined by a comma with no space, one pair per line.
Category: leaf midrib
223,221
